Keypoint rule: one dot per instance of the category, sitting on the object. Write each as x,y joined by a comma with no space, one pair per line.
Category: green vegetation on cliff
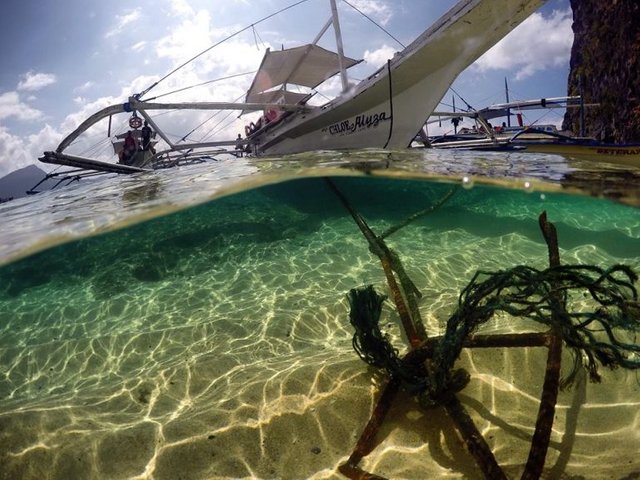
605,59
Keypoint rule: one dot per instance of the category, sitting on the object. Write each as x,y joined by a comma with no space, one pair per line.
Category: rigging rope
214,130
200,85
205,121
469,107
390,104
373,21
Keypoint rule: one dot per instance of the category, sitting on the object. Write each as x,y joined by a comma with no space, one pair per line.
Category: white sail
307,66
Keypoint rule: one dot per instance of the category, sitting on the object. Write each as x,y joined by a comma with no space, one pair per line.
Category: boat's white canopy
280,96
308,66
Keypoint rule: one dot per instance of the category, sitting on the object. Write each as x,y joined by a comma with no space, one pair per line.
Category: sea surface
193,323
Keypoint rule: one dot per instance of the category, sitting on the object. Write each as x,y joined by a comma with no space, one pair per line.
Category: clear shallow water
212,340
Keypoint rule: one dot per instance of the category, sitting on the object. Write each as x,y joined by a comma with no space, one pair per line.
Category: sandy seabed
197,411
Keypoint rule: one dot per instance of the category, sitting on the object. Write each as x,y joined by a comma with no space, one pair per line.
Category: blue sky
65,59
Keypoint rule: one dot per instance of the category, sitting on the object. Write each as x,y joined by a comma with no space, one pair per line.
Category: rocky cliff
605,61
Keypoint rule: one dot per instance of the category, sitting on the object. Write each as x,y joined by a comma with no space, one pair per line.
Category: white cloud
327,90
234,57
12,106
379,10
189,38
12,153
535,45
84,87
122,21
32,81
194,35
181,7
379,57
46,139
17,152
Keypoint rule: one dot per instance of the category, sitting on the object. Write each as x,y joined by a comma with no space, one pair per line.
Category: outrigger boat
529,139
386,110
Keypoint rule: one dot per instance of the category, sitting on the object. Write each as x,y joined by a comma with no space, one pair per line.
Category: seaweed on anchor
374,347
539,295
521,292
371,345
530,293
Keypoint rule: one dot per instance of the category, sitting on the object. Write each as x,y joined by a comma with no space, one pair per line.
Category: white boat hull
388,110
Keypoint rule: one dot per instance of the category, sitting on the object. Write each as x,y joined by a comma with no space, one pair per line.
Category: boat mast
506,92
454,120
336,29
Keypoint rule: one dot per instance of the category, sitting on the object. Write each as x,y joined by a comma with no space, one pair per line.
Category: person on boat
146,136
129,148
239,147
488,128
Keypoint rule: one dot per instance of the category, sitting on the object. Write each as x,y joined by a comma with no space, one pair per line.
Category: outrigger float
386,110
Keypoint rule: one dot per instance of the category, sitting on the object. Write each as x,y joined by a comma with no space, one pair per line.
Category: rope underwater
520,292
601,332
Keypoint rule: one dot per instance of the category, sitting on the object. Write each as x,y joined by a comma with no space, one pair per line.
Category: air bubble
467,183
528,186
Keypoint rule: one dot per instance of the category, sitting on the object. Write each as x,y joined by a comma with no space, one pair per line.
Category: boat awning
279,96
308,66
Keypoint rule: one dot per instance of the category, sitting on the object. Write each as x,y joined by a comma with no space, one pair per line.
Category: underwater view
199,323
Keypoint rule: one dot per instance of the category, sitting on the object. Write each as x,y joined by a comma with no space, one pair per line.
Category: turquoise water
194,323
